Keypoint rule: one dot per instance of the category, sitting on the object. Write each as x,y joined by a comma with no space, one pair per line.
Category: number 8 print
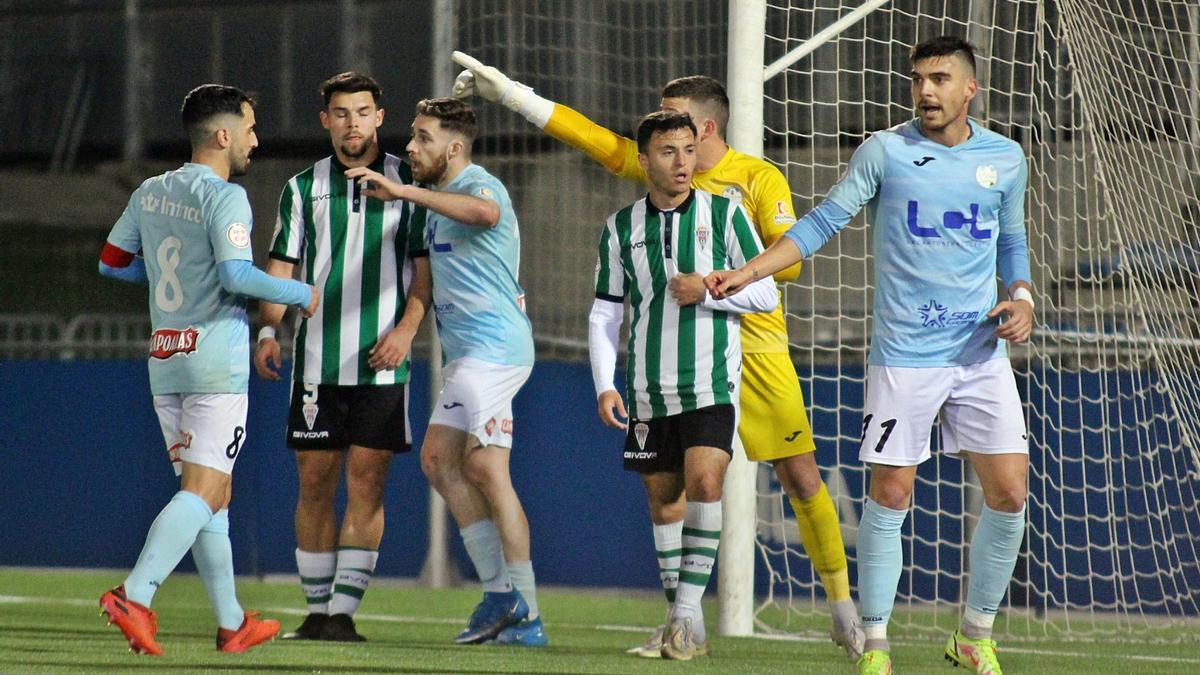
168,292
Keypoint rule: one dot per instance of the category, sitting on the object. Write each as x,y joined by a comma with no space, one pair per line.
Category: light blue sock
214,561
994,549
482,541
170,536
880,562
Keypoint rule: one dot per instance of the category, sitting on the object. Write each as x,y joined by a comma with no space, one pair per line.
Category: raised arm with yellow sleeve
774,423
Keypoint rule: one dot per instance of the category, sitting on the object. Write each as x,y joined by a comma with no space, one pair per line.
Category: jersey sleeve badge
238,235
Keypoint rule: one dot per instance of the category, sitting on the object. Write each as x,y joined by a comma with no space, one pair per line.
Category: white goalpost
1102,96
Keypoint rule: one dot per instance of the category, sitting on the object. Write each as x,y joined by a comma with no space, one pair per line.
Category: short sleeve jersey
357,251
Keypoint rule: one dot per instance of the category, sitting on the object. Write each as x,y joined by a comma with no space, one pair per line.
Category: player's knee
662,513
891,495
705,489
1007,499
487,477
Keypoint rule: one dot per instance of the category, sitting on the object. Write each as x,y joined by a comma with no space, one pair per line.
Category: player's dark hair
703,90
943,45
350,82
661,121
454,115
207,101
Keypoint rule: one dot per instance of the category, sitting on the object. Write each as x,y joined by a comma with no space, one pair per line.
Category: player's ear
325,119
707,128
378,117
223,137
644,161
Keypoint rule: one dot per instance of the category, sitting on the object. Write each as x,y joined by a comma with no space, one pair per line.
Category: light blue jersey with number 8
186,222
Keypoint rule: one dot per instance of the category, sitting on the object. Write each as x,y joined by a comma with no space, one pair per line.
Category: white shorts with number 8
204,429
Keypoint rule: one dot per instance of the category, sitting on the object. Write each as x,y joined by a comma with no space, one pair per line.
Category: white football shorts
204,429
477,398
977,405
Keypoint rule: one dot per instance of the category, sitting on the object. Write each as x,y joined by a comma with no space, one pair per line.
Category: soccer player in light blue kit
946,200
487,341
194,229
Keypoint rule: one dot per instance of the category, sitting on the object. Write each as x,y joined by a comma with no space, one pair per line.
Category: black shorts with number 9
334,417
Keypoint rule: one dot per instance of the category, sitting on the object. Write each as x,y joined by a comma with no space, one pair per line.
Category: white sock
354,569
316,577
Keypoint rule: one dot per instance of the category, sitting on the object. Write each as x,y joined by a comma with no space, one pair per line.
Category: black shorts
334,417
658,445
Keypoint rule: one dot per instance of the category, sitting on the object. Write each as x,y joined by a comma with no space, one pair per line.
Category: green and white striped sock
354,569
316,577
701,537
668,544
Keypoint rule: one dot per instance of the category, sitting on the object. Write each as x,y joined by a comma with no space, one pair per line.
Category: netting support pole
735,566
831,31
439,571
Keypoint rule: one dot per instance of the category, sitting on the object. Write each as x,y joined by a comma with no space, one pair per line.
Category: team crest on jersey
986,175
167,342
485,192
310,414
239,235
490,427
640,431
732,192
702,233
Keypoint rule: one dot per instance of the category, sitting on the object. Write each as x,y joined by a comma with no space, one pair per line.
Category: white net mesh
1102,94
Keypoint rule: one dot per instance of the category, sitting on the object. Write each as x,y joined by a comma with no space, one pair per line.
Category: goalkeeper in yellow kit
774,426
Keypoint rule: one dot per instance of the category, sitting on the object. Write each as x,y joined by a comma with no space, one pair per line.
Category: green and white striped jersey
358,252
680,358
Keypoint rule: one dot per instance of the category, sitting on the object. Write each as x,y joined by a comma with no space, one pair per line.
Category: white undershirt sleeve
760,296
604,328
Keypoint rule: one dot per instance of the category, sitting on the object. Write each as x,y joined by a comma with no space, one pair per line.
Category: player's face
352,120
942,89
670,160
243,141
428,149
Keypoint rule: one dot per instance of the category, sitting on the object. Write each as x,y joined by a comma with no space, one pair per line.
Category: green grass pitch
49,622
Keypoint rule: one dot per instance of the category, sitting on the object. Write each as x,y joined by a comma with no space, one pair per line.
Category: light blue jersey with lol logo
944,221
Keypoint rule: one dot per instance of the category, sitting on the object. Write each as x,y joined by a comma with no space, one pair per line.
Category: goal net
1102,95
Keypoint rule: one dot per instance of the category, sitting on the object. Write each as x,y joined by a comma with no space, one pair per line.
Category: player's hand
391,351
486,81
724,283
609,402
1016,323
375,184
687,289
313,303
266,353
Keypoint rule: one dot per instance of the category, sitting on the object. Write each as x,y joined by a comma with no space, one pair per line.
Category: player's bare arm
723,283
612,409
1016,315
687,289
465,209
396,345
